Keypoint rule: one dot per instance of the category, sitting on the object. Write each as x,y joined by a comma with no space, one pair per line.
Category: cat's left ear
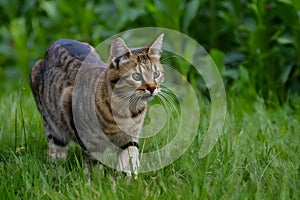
155,47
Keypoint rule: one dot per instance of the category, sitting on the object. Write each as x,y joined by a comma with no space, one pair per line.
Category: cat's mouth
148,95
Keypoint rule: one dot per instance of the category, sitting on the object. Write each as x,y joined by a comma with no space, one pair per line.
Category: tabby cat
130,79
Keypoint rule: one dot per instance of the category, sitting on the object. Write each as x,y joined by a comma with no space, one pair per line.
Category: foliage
255,43
260,40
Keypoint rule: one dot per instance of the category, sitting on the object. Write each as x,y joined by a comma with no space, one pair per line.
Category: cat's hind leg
57,149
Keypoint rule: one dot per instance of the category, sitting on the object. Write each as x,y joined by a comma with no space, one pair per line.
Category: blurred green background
255,44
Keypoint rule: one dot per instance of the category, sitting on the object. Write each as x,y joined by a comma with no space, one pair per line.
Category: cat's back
55,74
52,80
62,60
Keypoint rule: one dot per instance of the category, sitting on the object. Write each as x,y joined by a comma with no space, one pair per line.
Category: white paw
128,161
58,155
57,152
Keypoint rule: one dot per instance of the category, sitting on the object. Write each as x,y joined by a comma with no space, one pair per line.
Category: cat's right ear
118,48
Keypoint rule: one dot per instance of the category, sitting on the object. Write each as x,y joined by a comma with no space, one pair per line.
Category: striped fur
130,79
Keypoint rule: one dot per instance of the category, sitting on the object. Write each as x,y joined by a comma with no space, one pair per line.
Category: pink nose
150,87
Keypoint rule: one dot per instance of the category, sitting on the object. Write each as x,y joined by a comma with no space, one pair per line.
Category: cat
131,78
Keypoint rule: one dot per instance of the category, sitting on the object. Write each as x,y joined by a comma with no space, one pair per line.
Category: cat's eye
156,74
137,76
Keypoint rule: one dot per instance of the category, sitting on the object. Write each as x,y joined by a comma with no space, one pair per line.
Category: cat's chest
130,124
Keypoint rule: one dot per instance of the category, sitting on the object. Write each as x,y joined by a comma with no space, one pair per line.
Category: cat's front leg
128,161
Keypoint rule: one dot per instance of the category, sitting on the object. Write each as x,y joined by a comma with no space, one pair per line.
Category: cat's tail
35,80
34,74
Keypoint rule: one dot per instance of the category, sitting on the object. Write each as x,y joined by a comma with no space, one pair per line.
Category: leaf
9,8
296,4
285,74
230,73
234,57
286,39
244,74
50,7
282,130
189,14
288,2
218,57
288,15
258,40
168,13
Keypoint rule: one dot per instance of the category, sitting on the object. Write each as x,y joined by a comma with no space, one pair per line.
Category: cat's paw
128,161
57,152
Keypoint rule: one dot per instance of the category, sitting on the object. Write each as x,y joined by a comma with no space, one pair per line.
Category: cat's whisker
168,102
122,94
165,104
125,105
132,100
167,109
166,92
169,115
121,97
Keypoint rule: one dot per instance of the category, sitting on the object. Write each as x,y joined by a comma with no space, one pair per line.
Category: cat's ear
118,48
155,47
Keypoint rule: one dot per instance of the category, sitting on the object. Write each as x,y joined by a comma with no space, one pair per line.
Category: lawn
256,157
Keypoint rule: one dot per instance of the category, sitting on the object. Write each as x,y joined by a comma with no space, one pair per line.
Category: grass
257,157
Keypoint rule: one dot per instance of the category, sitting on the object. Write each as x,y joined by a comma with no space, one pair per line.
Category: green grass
257,157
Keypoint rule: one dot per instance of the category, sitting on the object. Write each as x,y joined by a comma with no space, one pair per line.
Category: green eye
137,76
156,74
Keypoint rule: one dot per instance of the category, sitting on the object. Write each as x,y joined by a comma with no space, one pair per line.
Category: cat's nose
151,88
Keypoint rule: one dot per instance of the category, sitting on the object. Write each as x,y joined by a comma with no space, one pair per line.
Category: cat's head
136,71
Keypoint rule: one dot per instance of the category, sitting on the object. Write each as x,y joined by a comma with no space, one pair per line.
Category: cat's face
137,73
